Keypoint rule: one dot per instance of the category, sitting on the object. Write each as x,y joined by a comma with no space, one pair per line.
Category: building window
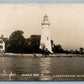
1,47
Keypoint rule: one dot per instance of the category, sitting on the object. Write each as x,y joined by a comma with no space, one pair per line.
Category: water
41,68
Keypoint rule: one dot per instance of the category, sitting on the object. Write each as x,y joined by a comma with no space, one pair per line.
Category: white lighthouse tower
45,35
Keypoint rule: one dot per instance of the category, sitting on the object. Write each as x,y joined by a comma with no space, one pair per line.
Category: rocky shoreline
40,55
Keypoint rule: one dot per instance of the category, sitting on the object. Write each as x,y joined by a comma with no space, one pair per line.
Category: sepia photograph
42,42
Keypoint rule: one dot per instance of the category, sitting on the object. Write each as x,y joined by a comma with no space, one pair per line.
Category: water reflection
45,68
3,65
44,65
16,65
3,68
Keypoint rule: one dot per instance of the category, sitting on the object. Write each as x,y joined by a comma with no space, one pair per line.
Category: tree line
17,43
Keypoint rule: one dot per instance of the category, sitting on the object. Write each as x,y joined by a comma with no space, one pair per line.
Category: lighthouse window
1,47
47,38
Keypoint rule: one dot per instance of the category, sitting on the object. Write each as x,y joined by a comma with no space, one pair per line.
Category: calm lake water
41,68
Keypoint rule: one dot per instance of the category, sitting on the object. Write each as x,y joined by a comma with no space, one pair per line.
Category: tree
32,44
81,50
57,49
35,43
27,46
76,52
16,42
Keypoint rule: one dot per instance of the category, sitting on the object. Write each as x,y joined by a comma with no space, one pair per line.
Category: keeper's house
2,43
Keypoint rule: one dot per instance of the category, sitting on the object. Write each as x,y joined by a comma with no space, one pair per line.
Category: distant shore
40,55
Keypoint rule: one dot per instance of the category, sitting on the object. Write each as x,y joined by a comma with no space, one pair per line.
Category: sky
67,21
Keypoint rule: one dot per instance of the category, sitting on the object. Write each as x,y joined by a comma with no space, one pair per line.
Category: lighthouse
45,42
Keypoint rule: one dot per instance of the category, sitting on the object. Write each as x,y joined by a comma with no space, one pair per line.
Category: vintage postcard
42,42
